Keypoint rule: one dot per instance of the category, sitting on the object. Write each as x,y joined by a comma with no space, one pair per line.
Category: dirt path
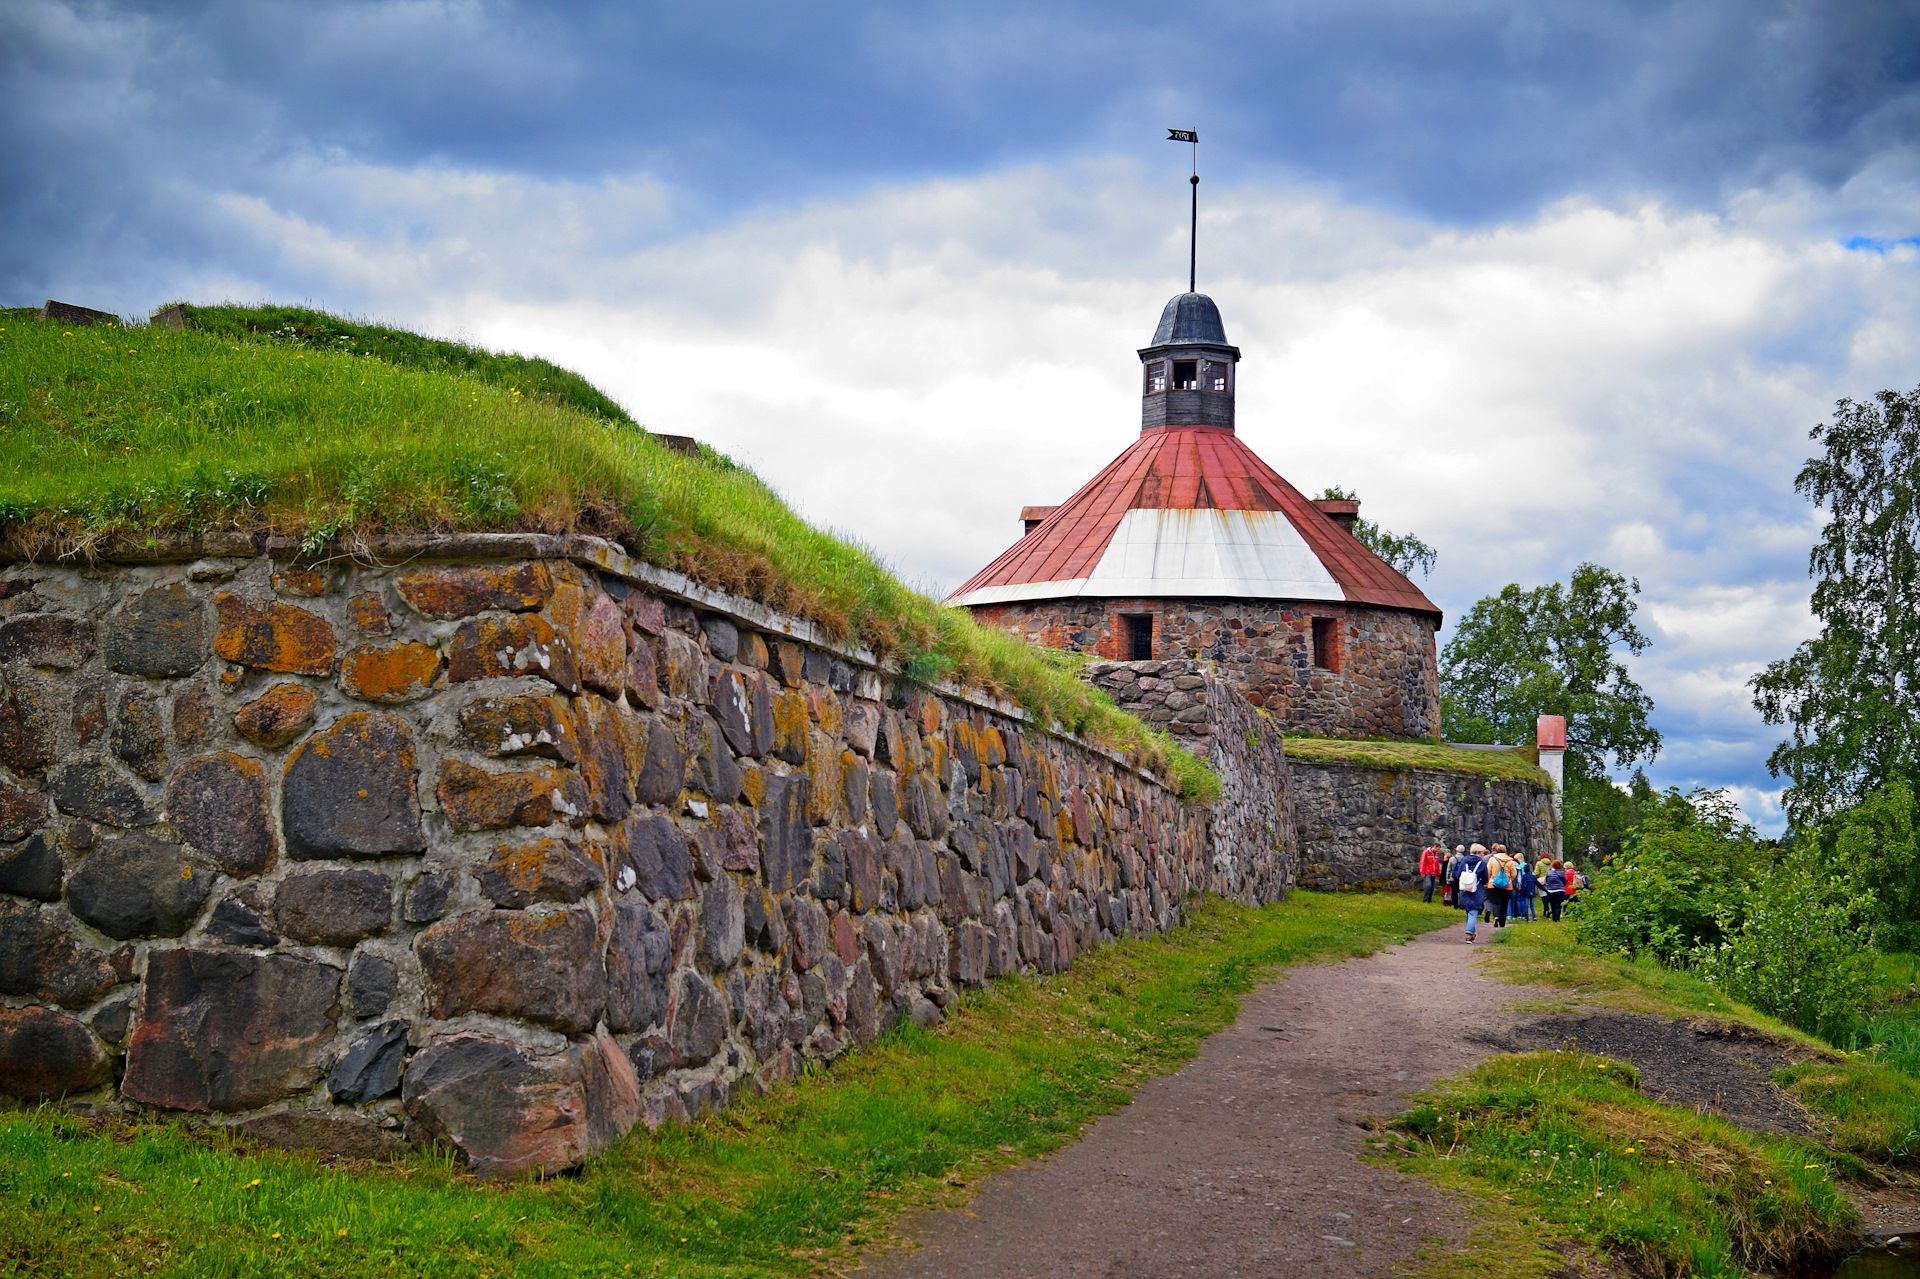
1245,1162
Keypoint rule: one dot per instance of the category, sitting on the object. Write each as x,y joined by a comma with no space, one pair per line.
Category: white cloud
911,365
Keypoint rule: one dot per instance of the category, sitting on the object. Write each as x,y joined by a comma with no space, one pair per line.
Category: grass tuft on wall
1400,756
299,423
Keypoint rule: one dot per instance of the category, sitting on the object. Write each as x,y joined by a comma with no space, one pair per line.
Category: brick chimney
1341,511
1032,516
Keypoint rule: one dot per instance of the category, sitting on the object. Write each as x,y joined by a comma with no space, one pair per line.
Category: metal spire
1193,229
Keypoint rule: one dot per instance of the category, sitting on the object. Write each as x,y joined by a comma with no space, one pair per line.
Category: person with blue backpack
1529,889
1470,887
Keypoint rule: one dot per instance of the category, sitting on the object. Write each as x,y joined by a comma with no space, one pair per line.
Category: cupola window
1213,375
1156,377
1186,375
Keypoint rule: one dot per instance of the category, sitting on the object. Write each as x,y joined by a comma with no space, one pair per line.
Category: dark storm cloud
120,120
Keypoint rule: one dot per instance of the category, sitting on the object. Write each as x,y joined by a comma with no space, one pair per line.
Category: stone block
721,934
790,726
370,1069
46,1054
305,583
807,929
883,802
542,967
524,644
192,716
137,886
89,717
642,676
331,1132
786,833
390,674
218,804
39,959
273,636
29,738
32,869
646,610
225,1030
711,770
697,1021
372,982
47,639
547,870
510,1113
468,590
766,931
350,791
753,651
277,716
474,799
161,633
366,613
601,643
662,770
844,937
426,898
862,725
686,666
657,854
21,813
334,907
639,959
603,757
723,637
235,923
513,726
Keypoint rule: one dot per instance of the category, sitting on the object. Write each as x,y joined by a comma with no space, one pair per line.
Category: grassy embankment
1562,1145
1400,756
783,1185
304,424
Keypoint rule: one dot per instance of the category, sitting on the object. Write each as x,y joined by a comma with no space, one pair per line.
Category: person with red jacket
1432,867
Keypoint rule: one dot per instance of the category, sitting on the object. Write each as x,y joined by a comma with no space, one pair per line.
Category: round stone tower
1188,545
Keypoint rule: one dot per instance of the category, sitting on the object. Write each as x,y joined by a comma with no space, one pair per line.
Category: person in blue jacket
1473,900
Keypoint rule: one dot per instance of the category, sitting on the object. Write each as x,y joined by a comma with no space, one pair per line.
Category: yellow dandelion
1629,1149
196,1181
276,1234
96,1207
251,1184
66,1174
341,1234
1769,1183
1809,1166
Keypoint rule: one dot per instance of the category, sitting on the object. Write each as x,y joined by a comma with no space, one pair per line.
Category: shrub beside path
1248,1160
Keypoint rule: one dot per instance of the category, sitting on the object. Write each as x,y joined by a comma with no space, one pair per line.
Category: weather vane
1193,231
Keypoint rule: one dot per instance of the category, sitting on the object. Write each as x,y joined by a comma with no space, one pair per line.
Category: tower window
1156,376
1139,637
1213,376
1326,643
1186,375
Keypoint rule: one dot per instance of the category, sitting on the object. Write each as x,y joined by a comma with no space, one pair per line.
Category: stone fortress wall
1387,684
511,842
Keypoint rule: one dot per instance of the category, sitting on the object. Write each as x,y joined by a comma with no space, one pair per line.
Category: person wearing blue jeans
1473,870
1529,889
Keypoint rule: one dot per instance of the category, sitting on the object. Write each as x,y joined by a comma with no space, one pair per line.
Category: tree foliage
1552,650
1681,881
1874,843
1405,551
1804,950
1852,693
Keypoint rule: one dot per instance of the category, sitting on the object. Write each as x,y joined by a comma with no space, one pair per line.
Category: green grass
1577,1152
1399,756
785,1185
148,431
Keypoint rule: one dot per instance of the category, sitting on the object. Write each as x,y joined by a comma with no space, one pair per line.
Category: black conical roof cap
1190,318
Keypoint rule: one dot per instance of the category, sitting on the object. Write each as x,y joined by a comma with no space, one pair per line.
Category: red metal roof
1190,468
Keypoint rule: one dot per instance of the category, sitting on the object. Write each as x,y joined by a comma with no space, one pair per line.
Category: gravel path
1245,1162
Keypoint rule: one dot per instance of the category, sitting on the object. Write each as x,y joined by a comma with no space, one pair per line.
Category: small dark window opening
1156,377
1213,376
1326,643
1139,638
1186,376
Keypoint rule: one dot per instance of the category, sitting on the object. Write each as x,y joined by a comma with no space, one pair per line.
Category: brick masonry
1387,684
515,845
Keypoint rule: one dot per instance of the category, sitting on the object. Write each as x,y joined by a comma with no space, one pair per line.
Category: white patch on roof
1241,554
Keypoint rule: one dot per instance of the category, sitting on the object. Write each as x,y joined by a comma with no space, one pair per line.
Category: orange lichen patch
474,799
390,673
304,582
927,714
753,651
366,613
993,748
600,639
823,765
464,591
790,725
278,715
787,662
1063,827
490,646
754,782
276,637
568,608
824,706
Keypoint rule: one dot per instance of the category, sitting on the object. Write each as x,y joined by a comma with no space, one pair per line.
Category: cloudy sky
1543,282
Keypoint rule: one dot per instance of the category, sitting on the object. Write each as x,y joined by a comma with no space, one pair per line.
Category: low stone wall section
508,843
1250,827
1362,827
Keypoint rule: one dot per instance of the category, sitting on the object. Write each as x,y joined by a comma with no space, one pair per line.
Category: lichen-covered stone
226,1030
601,643
721,933
366,613
474,799
192,716
510,1113
32,869
349,791
711,770
542,967
603,757
306,583
46,1054
547,870
47,639
161,633
137,886
390,674
40,959
513,726
21,813
524,644
273,636
663,766
467,590
28,724
138,737
786,837
218,805
277,716
334,907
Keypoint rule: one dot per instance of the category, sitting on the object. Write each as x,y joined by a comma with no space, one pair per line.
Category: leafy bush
1681,882
1874,843
1805,950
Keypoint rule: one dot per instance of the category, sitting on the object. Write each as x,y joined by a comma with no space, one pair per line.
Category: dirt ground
1246,1162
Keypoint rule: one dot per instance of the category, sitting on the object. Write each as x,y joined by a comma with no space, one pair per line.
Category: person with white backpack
1470,887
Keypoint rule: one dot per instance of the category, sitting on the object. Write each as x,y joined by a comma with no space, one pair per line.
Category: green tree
1852,693
1874,844
1681,881
1804,950
1405,551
